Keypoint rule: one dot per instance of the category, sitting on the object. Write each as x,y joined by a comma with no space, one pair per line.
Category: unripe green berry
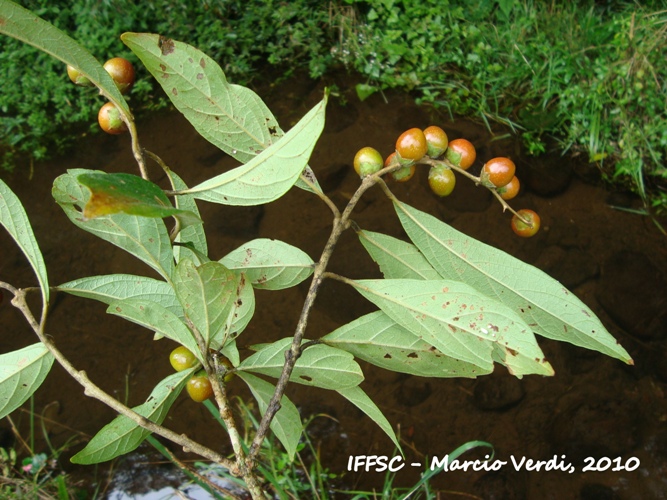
441,180
436,140
367,161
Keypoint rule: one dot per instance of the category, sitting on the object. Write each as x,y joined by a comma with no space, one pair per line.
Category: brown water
594,406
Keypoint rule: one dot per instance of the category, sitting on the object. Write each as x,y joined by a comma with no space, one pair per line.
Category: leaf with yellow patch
130,194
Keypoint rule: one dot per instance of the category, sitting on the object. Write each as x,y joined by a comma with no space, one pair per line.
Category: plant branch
292,355
92,390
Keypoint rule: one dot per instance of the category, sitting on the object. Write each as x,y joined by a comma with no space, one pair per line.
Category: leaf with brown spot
319,365
539,299
417,306
379,340
231,117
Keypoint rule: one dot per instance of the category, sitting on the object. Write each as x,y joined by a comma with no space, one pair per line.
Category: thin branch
92,390
292,355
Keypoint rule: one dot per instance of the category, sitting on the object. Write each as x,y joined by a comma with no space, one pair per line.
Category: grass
305,477
593,78
37,475
588,76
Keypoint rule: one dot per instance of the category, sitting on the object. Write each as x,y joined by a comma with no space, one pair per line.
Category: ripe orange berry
509,190
522,229
498,172
411,145
122,73
461,153
110,120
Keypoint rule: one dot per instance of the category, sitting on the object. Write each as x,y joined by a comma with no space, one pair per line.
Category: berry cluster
199,386
122,73
432,147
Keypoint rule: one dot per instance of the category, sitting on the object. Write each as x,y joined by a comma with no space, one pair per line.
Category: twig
92,390
292,355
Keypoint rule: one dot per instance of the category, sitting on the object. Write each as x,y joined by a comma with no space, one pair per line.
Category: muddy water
594,406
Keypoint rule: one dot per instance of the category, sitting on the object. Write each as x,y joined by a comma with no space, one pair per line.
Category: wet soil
594,406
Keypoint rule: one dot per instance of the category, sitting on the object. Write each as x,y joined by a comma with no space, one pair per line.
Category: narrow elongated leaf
153,316
15,221
122,435
231,117
21,374
270,264
272,172
240,315
396,258
207,294
459,321
286,424
113,287
193,234
22,24
145,238
378,339
546,306
319,365
130,194
360,399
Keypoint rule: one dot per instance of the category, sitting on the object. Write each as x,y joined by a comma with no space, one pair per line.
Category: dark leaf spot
200,76
306,378
166,45
202,62
413,355
174,91
387,356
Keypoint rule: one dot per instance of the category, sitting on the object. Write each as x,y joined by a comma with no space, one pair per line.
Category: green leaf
123,435
396,258
157,318
545,305
193,234
286,424
272,172
22,24
364,90
229,116
360,399
379,340
114,287
459,321
319,365
270,264
130,194
232,117
21,374
15,220
240,315
145,238
207,294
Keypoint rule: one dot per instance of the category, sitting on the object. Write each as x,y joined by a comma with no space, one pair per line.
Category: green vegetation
592,77
40,109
